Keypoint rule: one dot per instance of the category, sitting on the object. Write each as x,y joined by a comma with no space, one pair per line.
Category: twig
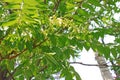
42,69
15,54
11,75
27,49
102,65
56,5
45,1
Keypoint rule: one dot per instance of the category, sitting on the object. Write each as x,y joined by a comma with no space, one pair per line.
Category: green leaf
88,6
94,2
73,41
53,40
9,23
70,6
68,76
21,77
62,41
96,35
1,33
28,2
117,40
18,72
83,12
100,49
29,45
118,48
68,52
46,49
75,73
38,34
13,1
77,18
13,44
7,42
114,53
80,45
106,52
21,45
77,76
93,46
87,46
62,7
51,59
27,73
13,6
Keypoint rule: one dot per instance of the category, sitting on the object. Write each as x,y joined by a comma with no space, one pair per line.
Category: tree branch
102,65
11,75
56,5
13,54
12,57
45,1
44,67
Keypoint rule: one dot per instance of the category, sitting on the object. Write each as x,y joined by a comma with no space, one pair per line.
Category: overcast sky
88,72
88,57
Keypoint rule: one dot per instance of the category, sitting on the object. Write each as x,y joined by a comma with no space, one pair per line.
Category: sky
88,57
88,72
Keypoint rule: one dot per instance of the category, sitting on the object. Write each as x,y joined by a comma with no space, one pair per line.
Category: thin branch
11,75
56,5
42,69
27,49
102,65
45,1
79,6
83,64
13,54
40,43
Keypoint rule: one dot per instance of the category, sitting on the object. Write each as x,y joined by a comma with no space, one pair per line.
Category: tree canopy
38,37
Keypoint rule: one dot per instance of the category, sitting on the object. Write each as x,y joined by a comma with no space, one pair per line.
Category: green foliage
38,37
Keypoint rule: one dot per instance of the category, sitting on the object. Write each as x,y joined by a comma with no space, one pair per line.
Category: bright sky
88,57
88,72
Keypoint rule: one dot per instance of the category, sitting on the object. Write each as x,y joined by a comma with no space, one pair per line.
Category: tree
105,72
38,37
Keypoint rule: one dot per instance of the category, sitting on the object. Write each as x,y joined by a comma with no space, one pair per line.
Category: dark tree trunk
5,74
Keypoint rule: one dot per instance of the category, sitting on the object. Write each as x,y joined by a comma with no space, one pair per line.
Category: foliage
38,37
